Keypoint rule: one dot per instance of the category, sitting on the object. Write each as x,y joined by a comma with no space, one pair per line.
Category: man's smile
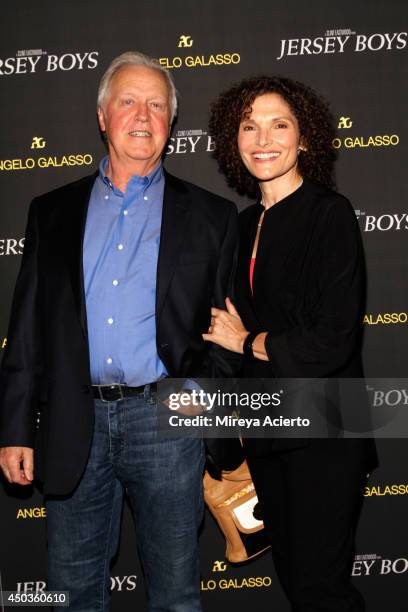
140,133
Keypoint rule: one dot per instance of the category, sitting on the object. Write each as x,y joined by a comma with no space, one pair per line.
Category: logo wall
218,58
190,141
38,144
368,565
391,396
383,223
225,582
118,583
362,142
11,246
385,490
31,513
385,318
123,583
341,41
29,61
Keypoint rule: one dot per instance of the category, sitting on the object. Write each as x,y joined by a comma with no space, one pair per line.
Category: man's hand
17,463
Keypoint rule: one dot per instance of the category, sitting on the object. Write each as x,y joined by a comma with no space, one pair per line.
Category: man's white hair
135,58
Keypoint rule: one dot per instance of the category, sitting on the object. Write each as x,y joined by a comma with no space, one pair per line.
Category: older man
119,273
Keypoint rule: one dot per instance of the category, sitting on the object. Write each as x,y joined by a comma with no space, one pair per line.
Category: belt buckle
111,387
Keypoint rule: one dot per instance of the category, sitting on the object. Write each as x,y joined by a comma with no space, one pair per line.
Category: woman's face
269,139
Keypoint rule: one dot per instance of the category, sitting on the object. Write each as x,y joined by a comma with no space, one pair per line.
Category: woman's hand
227,329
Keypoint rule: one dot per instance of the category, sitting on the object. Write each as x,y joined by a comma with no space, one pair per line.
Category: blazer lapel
78,207
176,212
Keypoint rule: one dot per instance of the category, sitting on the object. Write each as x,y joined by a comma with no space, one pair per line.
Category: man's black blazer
46,362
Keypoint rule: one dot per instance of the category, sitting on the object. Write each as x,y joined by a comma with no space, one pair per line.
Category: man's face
136,118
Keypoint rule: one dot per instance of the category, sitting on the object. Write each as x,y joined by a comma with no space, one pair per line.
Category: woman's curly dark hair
311,111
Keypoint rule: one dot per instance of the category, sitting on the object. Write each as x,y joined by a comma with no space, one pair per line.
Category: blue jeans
163,479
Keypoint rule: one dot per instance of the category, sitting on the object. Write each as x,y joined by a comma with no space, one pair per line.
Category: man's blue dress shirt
121,248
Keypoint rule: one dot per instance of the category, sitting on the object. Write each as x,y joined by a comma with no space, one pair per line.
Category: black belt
116,392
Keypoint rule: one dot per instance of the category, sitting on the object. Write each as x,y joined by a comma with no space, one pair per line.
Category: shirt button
106,197
125,212
115,283
110,320
145,198
109,360
120,247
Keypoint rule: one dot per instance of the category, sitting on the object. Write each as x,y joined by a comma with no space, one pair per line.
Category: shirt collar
155,176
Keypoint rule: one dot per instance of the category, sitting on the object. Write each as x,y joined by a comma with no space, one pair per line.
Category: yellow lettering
210,585
38,512
372,141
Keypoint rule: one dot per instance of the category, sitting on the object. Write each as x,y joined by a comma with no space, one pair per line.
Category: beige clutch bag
231,501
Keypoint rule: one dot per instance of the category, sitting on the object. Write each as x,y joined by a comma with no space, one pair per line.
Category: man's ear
101,119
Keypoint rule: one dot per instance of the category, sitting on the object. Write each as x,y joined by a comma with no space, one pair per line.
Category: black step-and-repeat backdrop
52,55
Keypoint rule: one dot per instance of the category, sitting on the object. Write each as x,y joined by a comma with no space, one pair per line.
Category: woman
297,312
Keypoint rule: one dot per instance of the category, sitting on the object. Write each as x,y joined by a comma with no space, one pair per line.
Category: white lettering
181,145
378,398
210,144
371,43
356,571
52,63
399,219
361,42
21,65
342,41
33,61
120,582
389,40
71,59
93,60
368,565
193,142
329,46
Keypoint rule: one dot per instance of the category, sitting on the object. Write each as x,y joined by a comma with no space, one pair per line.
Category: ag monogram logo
219,566
38,143
185,41
345,123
